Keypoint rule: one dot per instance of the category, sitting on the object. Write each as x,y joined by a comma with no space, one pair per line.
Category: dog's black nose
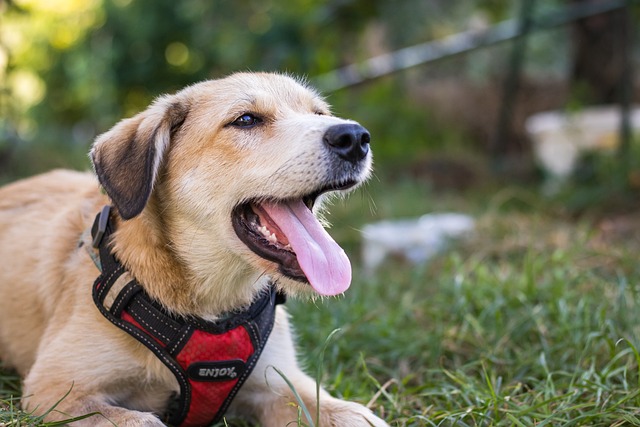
349,141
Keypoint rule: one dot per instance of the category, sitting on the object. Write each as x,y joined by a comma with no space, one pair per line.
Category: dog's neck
145,246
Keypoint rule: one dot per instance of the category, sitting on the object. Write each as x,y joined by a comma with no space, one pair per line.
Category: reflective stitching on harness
116,286
132,331
150,326
251,329
252,363
178,343
159,319
137,335
119,301
104,287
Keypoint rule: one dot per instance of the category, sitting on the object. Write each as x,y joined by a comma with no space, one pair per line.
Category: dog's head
234,168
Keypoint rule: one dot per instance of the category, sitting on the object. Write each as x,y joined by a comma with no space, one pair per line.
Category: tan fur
177,241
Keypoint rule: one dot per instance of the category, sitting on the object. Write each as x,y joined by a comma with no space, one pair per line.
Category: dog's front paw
340,413
140,419
110,417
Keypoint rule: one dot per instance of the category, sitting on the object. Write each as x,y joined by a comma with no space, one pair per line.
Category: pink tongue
323,262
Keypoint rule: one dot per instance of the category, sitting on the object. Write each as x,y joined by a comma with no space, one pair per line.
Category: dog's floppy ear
127,157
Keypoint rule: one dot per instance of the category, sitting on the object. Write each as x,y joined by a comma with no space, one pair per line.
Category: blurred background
451,112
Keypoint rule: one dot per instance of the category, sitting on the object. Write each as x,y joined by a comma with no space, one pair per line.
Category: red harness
210,360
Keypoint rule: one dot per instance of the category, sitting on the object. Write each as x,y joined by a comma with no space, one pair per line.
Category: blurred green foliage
69,69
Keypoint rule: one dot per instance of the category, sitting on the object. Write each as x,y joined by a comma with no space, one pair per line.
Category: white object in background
415,240
560,137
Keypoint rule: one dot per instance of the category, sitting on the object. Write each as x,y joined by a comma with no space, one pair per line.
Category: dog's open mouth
287,233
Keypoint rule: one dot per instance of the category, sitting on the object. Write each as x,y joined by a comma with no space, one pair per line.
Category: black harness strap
210,360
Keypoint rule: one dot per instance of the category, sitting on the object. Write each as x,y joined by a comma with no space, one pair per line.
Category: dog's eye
246,120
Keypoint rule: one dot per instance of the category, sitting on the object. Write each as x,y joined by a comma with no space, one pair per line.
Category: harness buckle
102,221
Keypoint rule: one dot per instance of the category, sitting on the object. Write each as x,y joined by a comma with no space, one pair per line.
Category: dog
214,195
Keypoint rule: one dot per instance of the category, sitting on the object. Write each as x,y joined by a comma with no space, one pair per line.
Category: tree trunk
599,55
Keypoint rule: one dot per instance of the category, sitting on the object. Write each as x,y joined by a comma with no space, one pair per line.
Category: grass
11,415
533,321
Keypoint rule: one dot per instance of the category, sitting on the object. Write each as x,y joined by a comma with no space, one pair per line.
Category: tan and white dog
213,189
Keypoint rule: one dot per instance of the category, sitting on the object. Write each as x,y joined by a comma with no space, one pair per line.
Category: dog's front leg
267,396
75,404
94,375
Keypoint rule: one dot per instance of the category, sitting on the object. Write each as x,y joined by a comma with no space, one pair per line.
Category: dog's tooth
270,236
